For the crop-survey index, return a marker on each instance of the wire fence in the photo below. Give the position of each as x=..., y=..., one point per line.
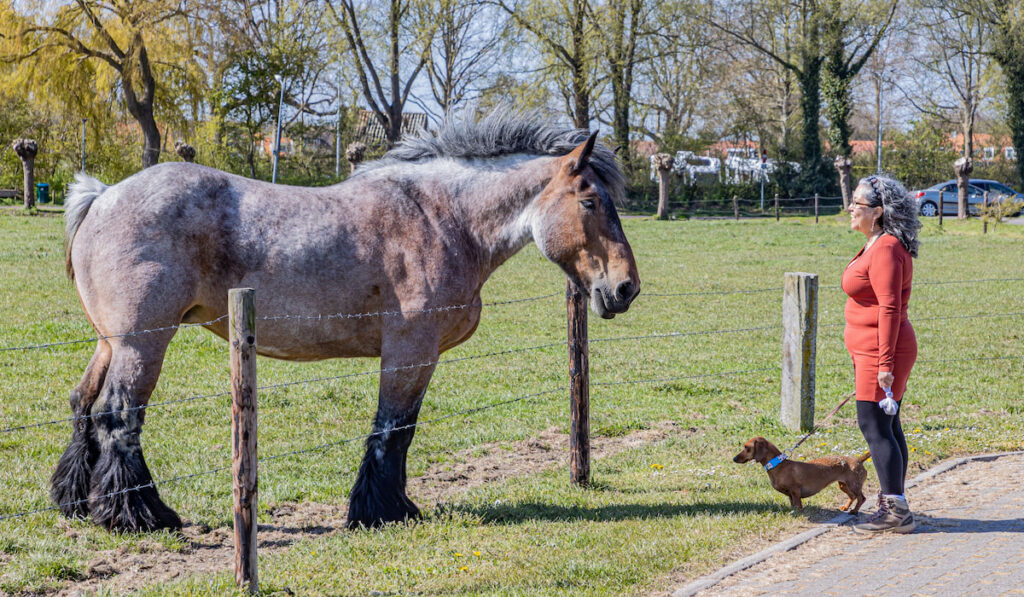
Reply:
x=560, y=389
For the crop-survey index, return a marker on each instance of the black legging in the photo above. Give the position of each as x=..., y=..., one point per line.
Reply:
x=888, y=446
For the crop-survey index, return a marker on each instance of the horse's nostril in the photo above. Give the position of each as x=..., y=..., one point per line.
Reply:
x=624, y=291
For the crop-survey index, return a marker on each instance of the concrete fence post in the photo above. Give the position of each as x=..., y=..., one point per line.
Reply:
x=799, y=347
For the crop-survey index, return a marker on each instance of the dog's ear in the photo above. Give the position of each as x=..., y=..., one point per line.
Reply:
x=760, y=448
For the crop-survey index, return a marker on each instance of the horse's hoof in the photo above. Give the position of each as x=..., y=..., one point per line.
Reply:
x=380, y=512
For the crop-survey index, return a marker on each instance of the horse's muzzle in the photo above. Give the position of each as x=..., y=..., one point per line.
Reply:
x=608, y=303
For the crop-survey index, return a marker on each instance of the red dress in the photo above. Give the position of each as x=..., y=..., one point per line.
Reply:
x=878, y=334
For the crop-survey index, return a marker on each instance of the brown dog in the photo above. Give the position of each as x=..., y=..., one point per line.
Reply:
x=804, y=479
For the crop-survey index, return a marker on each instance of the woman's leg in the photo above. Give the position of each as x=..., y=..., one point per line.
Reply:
x=889, y=459
x=901, y=441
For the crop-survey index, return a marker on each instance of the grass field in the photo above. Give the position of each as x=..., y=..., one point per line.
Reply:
x=657, y=514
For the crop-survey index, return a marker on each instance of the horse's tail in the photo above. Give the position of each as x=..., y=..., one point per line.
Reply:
x=84, y=191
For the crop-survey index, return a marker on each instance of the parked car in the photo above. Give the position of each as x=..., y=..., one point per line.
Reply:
x=928, y=199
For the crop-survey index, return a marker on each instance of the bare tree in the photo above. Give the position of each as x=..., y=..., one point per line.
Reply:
x=951, y=69
x=384, y=86
x=566, y=34
x=464, y=49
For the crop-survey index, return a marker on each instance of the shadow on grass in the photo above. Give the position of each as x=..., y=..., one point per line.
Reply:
x=532, y=511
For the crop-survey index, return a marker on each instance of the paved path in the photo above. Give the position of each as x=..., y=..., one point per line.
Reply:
x=969, y=541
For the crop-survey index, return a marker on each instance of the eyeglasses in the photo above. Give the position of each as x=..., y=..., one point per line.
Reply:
x=860, y=204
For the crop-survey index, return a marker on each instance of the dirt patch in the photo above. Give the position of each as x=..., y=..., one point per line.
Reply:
x=212, y=550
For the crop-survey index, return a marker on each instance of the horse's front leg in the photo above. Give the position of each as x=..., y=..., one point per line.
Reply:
x=378, y=495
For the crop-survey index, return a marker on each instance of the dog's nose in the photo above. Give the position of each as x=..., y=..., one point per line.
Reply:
x=736, y=458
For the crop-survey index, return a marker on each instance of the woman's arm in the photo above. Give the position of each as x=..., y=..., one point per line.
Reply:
x=885, y=273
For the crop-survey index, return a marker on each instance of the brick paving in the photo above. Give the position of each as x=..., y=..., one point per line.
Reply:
x=969, y=541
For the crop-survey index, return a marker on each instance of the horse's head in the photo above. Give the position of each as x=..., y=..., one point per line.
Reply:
x=579, y=229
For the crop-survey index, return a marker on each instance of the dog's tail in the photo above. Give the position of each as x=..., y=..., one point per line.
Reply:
x=864, y=457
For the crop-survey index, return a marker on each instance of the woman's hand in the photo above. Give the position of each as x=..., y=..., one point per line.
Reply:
x=885, y=379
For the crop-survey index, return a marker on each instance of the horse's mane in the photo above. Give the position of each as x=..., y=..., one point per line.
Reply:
x=502, y=132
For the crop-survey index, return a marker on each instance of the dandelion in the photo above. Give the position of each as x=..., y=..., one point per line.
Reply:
x=913, y=449
x=476, y=553
x=657, y=466
x=918, y=430
x=458, y=555
x=464, y=569
x=822, y=444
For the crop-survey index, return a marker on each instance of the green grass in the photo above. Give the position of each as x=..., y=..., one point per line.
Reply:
x=536, y=534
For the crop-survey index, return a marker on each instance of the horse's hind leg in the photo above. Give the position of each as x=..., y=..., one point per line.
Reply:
x=121, y=496
x=69, y=485
x=378, y=495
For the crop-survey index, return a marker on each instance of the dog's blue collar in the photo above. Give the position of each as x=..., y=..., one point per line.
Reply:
x=774, y=462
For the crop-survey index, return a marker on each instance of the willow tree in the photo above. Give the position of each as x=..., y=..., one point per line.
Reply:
x=82, y=47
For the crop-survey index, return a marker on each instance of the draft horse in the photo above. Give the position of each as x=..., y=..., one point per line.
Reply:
x=423, y=227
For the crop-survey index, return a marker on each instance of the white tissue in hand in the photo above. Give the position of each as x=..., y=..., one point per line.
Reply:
x=889, y=406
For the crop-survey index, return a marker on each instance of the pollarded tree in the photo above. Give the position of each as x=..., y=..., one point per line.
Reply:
x=85, y=43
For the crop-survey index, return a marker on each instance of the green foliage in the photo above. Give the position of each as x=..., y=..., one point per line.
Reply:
x=920, y=157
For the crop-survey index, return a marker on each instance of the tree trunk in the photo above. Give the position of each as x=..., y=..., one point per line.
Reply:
x=843, y=166
x=963, y=168
x=810, y=106
x=663, y=163
x=26, y=150
x=141, y=108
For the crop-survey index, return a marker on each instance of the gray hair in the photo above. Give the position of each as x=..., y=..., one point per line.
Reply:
x=899, y=210
x=503, y=131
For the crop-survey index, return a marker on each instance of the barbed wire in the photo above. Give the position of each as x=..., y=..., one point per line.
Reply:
x=382, y=370
x=152, y=484
x=124, y=335
x=278, y=317
x=711, y=292
x=386, y=313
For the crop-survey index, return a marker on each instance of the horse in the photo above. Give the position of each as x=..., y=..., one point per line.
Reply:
x=418, y=230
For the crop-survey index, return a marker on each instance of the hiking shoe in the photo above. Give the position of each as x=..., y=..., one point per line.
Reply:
x=892, y=514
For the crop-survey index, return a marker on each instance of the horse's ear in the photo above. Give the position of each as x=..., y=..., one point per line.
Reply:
x=581, y=154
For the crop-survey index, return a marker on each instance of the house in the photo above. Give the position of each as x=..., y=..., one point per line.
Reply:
x=987, y=147
x=370, y=131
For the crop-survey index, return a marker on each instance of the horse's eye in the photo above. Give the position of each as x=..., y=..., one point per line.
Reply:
x=587, y=204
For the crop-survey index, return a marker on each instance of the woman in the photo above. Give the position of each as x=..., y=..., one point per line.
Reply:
x=879, y=336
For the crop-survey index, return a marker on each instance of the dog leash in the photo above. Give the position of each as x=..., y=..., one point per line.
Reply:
x=774, y=462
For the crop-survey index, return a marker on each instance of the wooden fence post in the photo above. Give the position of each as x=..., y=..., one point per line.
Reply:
x=736, y=206
x=776, y=207
x=816, y=208
x=984, y=204
x=242, y=342
x=942, y=200
x=579, y=385
x=799, y=347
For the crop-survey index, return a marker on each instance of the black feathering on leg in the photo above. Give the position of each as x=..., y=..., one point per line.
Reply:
x=378, y=496
x=69, y=485
x=122, y=496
